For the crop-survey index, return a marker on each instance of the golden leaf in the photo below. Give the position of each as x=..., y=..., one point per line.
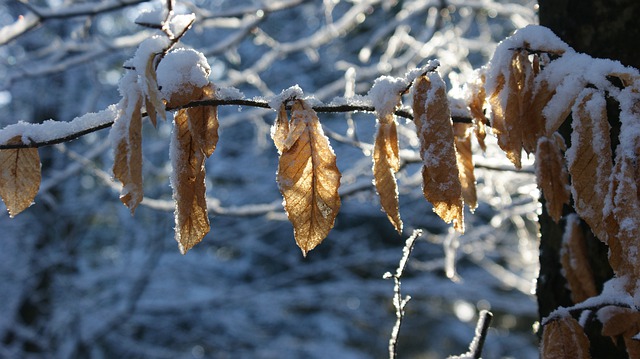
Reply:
x=19, y=176
x=203, y=123
x=441, y=181
x=552, y=175
x=280, y=129
x=464, y=157
x=127, y=165
x=386, y=162
x=188, y=182
x=308, y=178
x=564, y=338
x=589, y=160
x=575, y=261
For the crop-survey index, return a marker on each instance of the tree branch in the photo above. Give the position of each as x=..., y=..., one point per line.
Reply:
x=323, y=108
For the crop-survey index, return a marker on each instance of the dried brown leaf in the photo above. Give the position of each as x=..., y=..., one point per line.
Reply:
x=564, y=338
x=476, y=103
x=280, y=128
x=19, y=176
x=589, y=160
x=552, y=175
x=308, y=178
x=441, y=181
x=626, y=220
x=203, y=123
x=386, y=162
x=127, y=165
x=575, y=261
x=464, y=156
x=188, y=182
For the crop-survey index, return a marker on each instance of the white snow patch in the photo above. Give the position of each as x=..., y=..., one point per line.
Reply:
x=386, y=94
x=181, y=69
x=292, y=92
x=149, y=16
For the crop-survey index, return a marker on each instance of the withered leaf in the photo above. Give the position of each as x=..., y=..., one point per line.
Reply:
x=203, y=123
x=308, y=178
x=476, y=102
x=153, y=93
x=464, y=156
x=552, y=175
x=441, y=181
x=386, y=162
x=564, y=338
x=623, y=194
x=575, y=261
x=188, y=182
x=19, y=176
x=621, y=321
x=589, y=159
x=127, y=165
x=280, y=129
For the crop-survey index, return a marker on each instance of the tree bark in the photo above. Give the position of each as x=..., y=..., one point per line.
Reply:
x=604, y=29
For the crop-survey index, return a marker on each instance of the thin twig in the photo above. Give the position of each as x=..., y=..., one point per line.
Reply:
x=212, y=102
x=398, y=302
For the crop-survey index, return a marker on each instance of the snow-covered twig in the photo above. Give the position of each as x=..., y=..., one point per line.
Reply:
x=398, y=302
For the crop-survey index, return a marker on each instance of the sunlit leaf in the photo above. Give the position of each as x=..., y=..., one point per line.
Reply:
x=188, y=182
x=441, y=181
x=308, y=178
x=464, y=156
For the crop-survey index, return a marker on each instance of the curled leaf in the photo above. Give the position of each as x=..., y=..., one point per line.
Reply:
x=19, y=176
x=386, y=162
x=441, y=181
x=509, y=106
x=203, y=122
x=552, y=175
x=188, y=182
x=308, y=177
x=589, y=160
x=464, y=158
x=575, y=261
x=126, y=135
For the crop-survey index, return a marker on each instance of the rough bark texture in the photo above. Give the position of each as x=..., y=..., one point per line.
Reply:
x=604, y=29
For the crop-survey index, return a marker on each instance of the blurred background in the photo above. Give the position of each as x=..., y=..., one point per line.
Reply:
x=81, y=278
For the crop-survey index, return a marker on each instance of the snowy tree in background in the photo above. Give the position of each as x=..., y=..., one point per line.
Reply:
x=334, y=85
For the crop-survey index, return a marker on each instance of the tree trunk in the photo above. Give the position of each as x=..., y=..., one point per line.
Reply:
x=604, y=29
